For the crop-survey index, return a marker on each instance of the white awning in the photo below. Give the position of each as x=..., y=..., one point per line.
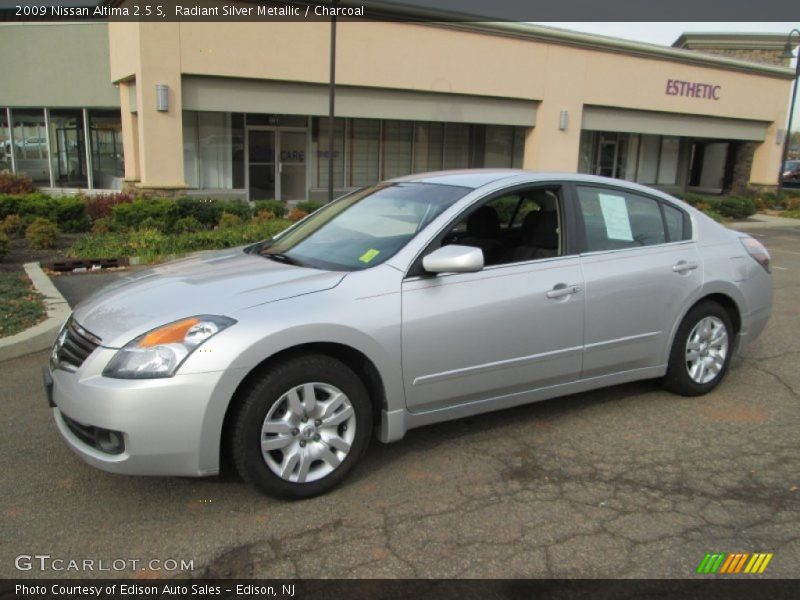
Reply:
x=603, y=118
x=281, y=97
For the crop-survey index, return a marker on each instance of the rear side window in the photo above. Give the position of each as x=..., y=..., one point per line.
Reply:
x=677, y=227
x=614, y=219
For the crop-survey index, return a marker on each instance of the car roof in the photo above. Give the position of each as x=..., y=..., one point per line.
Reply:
x=477, y=178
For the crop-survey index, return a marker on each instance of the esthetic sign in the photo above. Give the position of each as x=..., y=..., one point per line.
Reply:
x=693, y=89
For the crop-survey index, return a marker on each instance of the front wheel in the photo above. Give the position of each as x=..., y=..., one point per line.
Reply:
x=302, y=427
x=701, y=352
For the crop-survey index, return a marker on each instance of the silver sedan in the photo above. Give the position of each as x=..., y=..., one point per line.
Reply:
x=414, y=301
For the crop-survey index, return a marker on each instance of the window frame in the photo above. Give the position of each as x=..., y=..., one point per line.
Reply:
x=568, y=211
x=580, y=231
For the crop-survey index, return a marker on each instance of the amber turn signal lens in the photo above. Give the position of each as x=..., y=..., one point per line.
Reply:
x=170, y=334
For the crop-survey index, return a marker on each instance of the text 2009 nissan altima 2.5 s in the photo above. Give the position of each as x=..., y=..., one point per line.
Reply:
x=418, y=300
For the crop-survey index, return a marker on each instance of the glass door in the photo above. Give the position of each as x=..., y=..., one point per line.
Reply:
x=261, y=164
x=292, y=165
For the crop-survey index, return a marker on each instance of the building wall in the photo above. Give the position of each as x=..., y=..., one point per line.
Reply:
x=56, y=65
x=429, y=58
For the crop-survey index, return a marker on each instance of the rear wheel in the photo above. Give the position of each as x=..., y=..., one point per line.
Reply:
x=701, y=352
x=302, y=427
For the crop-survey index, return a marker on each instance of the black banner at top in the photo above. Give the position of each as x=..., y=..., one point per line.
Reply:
x=408, y=10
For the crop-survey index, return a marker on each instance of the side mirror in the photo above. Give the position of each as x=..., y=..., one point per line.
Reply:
x=454, y=259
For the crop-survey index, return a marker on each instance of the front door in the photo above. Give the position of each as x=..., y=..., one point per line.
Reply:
x=276, y=164
x=513, y=327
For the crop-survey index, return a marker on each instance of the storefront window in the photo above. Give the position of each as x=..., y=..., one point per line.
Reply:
x=456, y=146
x=428, y=146
x=320, y=147
x=108, y=164
x=5, y=141
x=397, y=136
x=364, y=157
x=67, y=149
x=519, y=147
x=648, y=159
x=30, y=145
x=668, y=162
x=213, y=150
x=498, y=146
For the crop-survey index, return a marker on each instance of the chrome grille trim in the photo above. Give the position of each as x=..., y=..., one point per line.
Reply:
x=74, y=346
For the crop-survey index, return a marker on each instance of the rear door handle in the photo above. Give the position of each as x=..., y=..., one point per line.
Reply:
x=561, y=290
x=683, y=266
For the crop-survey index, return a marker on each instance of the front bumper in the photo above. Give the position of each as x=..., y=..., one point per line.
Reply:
x=169, y=426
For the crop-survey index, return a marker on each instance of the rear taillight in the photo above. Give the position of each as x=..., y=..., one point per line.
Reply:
x=757, y=250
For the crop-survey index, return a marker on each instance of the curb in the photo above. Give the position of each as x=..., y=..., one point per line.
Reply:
x=759, y=221
x=40, y=336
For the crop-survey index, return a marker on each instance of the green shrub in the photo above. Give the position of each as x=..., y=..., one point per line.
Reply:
x=70, y=214
x=229, y=220
x=103, y=225
x=12, y=224
x=132, y=215
x=736, y=207
x=187, y=225
x=11, y=183
x=206, y=211
x=152, y=223
x=26, y=205
x=309, y=206
x=150, y=245
x=68, y=211
x=276, y=207
x=4, y=244
x=235, y=207
x=791, y=214
x=41, y=233
x=141, y=241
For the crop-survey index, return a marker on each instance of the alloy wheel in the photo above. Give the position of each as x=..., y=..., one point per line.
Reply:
x=308, y=432
x=706, y=350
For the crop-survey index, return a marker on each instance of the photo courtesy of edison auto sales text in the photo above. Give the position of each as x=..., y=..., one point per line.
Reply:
x=166, y=589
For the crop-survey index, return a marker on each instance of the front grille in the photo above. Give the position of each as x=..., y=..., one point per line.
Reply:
x=75, y=344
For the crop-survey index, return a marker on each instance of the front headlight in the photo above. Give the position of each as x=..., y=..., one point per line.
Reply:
x=159, y=353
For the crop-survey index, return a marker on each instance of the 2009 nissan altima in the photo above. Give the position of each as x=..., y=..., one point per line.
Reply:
x=414, y=301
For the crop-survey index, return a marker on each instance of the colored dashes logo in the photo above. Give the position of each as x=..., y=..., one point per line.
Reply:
x=722, y=563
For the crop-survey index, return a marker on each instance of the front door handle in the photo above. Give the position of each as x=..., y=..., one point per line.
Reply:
x=683, y=266
x=561, y=290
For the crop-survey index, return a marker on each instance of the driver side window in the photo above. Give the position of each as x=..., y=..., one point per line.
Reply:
x=518, y=227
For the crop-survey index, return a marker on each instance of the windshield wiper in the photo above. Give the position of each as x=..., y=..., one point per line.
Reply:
x=283, y=258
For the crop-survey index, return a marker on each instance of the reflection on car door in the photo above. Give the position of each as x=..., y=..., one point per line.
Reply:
x=501, y=331
x=637, y=280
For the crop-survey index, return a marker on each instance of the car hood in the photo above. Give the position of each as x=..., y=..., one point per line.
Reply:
x=214, y=283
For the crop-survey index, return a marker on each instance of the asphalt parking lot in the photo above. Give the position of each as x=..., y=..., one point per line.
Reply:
x=628, y=481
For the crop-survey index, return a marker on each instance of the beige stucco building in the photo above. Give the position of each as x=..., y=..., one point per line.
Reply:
x=241, y=108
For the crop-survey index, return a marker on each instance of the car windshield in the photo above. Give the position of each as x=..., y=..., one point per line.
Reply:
x=363, y=229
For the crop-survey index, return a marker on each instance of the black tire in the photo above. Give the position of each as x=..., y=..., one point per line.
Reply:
x=245, y=442
x=677, y=379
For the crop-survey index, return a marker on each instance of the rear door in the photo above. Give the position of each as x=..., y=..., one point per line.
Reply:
x=640, y=268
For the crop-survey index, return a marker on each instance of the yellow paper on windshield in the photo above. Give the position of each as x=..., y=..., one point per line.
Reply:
x=369, y=255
